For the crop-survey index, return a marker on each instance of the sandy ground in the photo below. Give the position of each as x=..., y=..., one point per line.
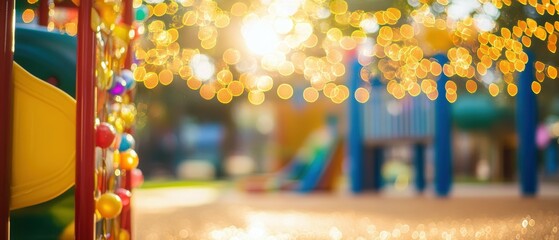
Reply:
x=473, y=212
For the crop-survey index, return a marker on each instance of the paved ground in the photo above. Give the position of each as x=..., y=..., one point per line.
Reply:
x=473, y=212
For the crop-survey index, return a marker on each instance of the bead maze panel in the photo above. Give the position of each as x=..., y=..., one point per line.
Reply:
x=116, y=160
x=114, y=164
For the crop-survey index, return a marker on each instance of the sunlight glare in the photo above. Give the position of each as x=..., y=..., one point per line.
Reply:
x=259, y=35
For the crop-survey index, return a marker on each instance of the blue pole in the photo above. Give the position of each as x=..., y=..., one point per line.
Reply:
x=442, y=137
x=526, y=118
x=551, y=157
x=419, y=165
x=375, y=104
x=355, y=130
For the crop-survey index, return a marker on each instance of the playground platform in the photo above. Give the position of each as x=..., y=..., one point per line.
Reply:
x=472, y=212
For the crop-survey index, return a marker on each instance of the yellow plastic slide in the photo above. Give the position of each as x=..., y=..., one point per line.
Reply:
x=44, y=140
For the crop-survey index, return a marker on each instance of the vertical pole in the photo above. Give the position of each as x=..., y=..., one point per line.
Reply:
x=43, y=12
x=85, y=139
x=6, y=104
x=126, y=215
x=378, y=160
x=526, y=117
x=551, y=157
x=128, y=18
x=419, y=165
x=442, y=138
x=355, y=128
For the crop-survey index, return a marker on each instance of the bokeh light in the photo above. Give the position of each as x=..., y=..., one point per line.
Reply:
x=285, y=91
x=28, y=15
x=313, y=40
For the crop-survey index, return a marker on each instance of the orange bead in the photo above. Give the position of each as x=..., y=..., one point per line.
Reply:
x=128, y=160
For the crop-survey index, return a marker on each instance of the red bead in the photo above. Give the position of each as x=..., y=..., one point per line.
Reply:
x=124, y=196
x=137, y=178
x=104, y=135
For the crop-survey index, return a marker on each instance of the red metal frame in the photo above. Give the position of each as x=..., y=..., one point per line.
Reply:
x=43, y=12
x=126, y=215
x=6, y=105
x=85, y=122
x=65, y=4
x=128, y=18
x=85, y=117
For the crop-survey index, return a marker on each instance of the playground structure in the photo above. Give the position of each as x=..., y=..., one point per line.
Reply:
x=366, y=149
x=109, y=94
x=53, y=141
x=447, y=48
x=409, y=123
x=416, y=126
x=316, y=166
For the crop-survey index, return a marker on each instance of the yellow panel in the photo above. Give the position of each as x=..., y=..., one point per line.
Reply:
x=44, y=140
